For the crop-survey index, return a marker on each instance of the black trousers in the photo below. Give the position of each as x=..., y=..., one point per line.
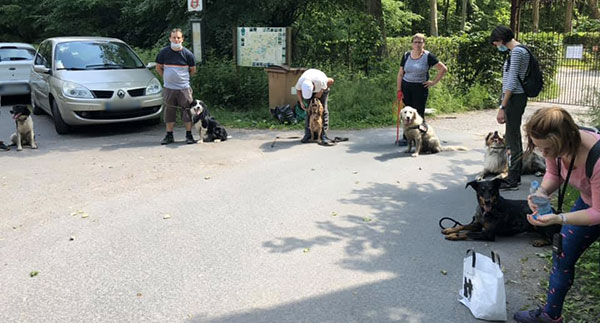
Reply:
x=415, y=95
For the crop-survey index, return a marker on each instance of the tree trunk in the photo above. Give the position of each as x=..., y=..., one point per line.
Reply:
x=375, y=9
x=535, y=6
x=446, y=6
x=463, y=20
x=515, y=10
x=595, y=12
x=569, y=16
x=433, y=17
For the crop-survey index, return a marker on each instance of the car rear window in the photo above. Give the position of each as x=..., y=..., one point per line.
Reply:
x=16, y=54
x=80, y=55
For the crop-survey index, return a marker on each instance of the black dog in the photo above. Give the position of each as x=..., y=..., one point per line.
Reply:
x=496, y=215
x=201, y=118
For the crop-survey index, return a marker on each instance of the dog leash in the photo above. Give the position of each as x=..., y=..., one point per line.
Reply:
x=456, y=223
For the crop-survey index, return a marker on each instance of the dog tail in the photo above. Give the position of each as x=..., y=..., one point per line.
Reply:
x=454, y=148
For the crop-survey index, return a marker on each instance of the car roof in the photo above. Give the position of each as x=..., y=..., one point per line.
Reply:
x=18, y=45
x=83, y=38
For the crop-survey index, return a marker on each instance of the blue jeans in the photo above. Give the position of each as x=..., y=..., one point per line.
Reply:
x=575, y=240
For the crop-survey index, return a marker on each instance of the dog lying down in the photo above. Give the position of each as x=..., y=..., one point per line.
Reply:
x=202, y=119
x=24, y=134
x=496, y=215
x=420, y=134
x=495, y=161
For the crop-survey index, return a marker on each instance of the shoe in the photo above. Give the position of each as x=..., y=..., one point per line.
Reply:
x=168, y=139
x=402, y=142
x=509, y=185
x=533, y=316
x=306, y=137
x=3, y=146
x=190, y=139
x=325, y=141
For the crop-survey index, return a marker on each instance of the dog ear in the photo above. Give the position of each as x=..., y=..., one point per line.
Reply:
x=474, y=184
x=487, y=138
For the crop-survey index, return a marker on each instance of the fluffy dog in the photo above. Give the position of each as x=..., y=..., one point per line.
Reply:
x=495, y=162
x=420, y=134
x=25, y=134
x=202, y=119
x=498, y=216
x=315, y=124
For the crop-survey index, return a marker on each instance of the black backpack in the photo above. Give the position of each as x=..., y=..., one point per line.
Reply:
x=533, y=83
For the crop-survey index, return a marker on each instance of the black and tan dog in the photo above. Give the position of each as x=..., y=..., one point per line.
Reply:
x=24, y=134
x=495, y=161
x=496, y=215
x=202, y=119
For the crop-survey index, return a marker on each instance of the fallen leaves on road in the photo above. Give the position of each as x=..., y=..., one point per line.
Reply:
x=34, y=273
x=444, y=272
x=367, y=219
x=333, y=213
x=166, y=216
x=306, y=250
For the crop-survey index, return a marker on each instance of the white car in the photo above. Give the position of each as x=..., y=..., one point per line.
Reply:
x=93, y=80
x=16, y=60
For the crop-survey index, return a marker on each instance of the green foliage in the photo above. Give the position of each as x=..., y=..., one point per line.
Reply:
x=398, y=20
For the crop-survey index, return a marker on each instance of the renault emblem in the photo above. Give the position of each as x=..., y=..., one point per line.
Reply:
x=121, y=94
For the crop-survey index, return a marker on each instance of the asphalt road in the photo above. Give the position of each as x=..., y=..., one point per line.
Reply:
x=257, y=232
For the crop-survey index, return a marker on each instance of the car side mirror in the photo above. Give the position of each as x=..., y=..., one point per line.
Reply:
x=41, y=69
x=151, y=65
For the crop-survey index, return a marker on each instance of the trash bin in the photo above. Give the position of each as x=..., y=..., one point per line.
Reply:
x=282, y=85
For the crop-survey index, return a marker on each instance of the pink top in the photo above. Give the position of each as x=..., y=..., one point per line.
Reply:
x=589, y=188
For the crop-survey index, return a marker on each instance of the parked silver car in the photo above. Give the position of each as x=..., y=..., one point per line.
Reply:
x=15, y=65
x=92, y=80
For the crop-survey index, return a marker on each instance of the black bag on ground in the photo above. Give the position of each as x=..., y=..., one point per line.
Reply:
x=284, y=114
x=533, y=83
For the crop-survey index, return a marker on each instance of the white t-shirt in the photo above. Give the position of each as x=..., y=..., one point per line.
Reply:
x=318, y=78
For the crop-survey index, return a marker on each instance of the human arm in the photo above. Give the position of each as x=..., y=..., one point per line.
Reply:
x=442, y=69
x=192, y=70
x=160, y=69
x=300, y=99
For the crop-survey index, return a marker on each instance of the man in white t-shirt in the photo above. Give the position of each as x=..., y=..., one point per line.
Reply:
x=314, y=83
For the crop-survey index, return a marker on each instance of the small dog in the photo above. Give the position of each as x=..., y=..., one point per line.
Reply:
x=201, y=118
x=496, y=215
x=422, y=135
x=315, y=124
x=24, y=123
x=495, y=162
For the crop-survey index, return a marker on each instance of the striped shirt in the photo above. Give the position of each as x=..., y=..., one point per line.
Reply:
x=176, y=67
x=519, y=62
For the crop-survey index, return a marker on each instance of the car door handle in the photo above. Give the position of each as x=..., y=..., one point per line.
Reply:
x=12, y=68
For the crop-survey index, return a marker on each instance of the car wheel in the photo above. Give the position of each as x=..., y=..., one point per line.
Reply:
x=36, y=110
x=59, y=124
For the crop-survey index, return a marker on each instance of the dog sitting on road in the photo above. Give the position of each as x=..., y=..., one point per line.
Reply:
x=315, y=124
x=420, y=134
x=24, y=134
x=496, y=215
x=495, y=162
x=202, y=119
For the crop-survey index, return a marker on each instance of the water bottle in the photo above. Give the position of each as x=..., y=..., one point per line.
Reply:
x=541, y=200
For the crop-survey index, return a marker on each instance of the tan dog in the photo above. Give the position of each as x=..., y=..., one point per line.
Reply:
x=315, y=124
x=422, y=135
x=495, y=162
x=24, y=123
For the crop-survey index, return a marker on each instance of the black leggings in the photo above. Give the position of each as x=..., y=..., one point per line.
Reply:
x=415, y=95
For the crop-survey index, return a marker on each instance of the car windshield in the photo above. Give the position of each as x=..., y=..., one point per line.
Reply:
x=16, y=54
x=79, y=55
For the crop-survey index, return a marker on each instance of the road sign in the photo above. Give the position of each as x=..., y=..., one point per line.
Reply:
x=194, y=5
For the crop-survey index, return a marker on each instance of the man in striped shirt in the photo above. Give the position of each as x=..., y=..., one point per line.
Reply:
x=513, y=100
x=176, y=64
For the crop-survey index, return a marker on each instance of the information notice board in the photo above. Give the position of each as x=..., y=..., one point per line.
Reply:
x=262, y=46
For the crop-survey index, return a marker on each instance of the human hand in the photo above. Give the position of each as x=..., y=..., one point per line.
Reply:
x=399, y=95
x=532, y=205
x=500, y=117
x=544, y=220
x=428, y=84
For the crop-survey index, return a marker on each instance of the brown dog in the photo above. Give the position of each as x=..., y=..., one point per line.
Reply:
x=422, y=135
x=495, y=162
x=315, y=112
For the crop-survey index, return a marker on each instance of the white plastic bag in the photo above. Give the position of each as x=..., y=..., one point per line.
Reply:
x=483, y=287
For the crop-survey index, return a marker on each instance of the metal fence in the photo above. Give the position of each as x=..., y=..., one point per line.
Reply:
x=571, y=67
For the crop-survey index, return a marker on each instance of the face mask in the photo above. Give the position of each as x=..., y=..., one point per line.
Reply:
x=176, y=46
x=502, y=48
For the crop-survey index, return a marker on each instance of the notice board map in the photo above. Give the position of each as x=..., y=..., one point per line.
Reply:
x=261, y=46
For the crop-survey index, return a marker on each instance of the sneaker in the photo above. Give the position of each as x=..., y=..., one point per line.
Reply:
x=533, y=316
x=3, y=146
x=402, y=142
x=168, y=139
x=506, y=185
x=190, y=139
x=305, y=139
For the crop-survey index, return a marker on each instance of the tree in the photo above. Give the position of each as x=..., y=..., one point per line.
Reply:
x=569, y=16
x=433, y=17
x=595, y=12
x=375, y=9
x=535, y=5
x=463, y=21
